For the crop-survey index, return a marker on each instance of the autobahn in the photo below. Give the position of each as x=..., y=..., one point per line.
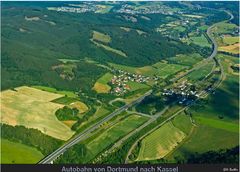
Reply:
x=86, y=133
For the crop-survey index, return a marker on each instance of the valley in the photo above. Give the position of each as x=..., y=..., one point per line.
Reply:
x=119, y=82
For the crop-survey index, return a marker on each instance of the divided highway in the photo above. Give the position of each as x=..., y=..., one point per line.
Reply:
x=86, y=133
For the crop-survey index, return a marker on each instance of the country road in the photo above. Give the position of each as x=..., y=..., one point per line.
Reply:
x=85, y=134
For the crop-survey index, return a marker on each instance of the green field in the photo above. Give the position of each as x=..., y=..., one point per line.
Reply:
x=201, y=41
x=136, y=86
x=53, y=90
x=224, y=27
x=33, y=108
x=186, y=60
x=229, y=40
x=118, y=103
x=116, y=51
x=228, y=126
x=17, y=153
x=112, y=134
x=101, y=86
x=160, y=142
x=201, y=73
x=183, y=123
x=168, y=69
x=98, y=36
x=203, y=139
x=160, y=69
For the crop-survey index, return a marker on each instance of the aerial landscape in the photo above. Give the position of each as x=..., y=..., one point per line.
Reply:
x=120, y=82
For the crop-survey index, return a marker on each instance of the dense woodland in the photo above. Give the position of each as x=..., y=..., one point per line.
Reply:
x=31, y=137
x=27, y=62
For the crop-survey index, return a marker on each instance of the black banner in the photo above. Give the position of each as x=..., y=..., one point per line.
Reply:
x=122, y=168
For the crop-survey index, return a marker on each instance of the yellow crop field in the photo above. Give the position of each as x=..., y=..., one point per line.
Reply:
x=32, y=108
x=80, y=106
x=230, y=48
x=101, y=88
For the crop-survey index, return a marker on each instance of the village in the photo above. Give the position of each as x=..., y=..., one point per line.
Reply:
x=120, y=81
x=129, y=9
x=78, y=8
x=185, y=93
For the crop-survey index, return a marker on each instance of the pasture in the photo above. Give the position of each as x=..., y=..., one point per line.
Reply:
x=160, y=69
x=33, y=108
x=135, y=85
x=168, y=69
x=201, y=73
x=160, y=142
x=224, y=28
x=183, y=123
x=186, y=59
x=17, y=153
x=118, y=52
x=218, y=123
x=203, y=139
x=201, y=41
x=98, y=36
x=101, y=86
x=112, y=134
x=53, y=90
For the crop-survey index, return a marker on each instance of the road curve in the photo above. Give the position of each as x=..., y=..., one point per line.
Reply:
x=85, y=134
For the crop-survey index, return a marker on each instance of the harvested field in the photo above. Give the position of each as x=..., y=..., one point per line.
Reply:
x=32, y=108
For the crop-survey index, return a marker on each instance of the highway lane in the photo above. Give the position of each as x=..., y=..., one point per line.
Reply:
x=86, y=133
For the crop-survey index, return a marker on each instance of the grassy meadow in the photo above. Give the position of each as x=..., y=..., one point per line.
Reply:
x=160, y=142
x=98, y=36
x=17, y=153
x=160, y=69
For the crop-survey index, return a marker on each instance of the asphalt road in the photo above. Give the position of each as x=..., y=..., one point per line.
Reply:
x=86, y=133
